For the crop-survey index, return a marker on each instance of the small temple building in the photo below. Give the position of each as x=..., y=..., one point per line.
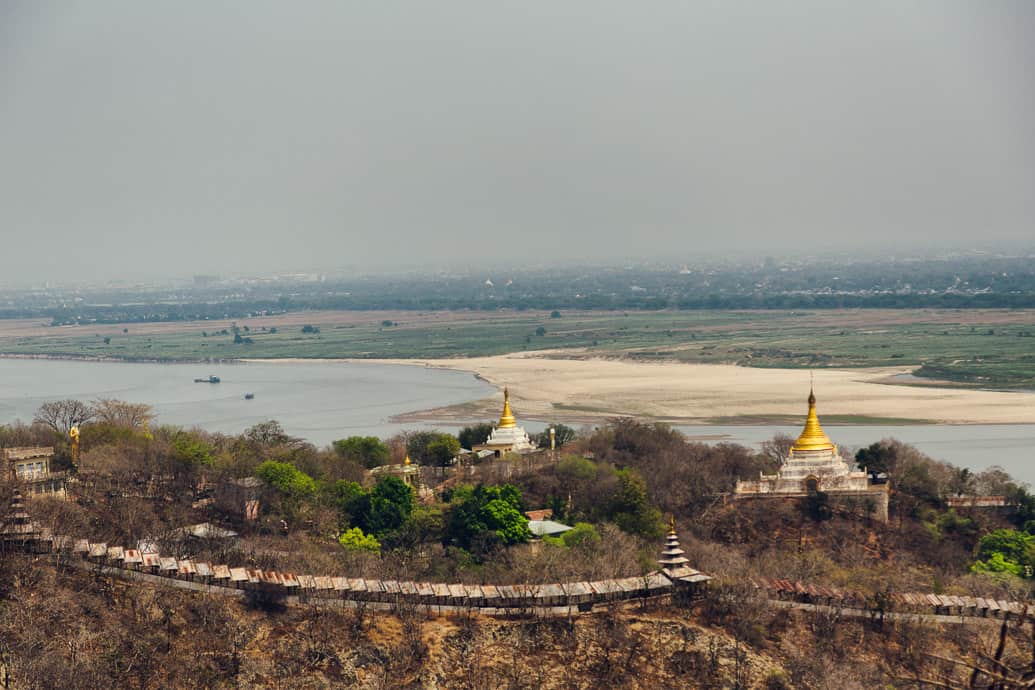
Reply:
x=814, y=464
x=31, y=467
x=507, y=436
x=407, y=472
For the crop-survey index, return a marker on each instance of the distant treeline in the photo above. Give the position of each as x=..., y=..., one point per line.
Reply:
x=966, y=283
x=140, y=313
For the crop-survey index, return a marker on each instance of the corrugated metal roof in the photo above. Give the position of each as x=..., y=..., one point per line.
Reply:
x=545, y=528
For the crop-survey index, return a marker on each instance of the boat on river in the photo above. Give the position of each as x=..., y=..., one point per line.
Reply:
x=210, y=379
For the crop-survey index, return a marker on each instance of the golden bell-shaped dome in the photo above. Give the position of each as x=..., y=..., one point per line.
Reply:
x=507, y=419
x=812, y=436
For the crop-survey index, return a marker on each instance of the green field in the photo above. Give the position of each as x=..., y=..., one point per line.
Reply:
x=982, y=348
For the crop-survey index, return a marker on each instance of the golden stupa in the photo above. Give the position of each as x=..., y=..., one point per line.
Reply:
x=507, y=419
x=812, y=436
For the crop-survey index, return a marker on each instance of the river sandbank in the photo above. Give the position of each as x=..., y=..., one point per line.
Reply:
x=547, y=387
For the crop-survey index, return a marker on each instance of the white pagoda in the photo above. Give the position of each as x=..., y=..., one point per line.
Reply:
x=813, y=464
x=507, y=436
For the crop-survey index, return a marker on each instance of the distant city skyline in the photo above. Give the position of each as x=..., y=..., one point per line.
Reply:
x=141, y=142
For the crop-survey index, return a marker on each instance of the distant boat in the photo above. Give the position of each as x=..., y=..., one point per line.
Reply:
x=249, y=396
x=210, y=379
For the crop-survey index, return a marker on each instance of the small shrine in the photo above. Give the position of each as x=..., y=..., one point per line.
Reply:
x=674, y=563
x=407, y=472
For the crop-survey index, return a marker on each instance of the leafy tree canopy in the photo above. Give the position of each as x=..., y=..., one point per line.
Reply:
x=1005, y=551
x=354, y=540
x=471, y=436
x=381, y=511
x=368, y=451
x=191, y=450
x=563, y=434
x=442, y=450
x=287, y=479
x=417, y=445
x=876, y=458
x=487, y=511
x=582, y=534
x=631, y=508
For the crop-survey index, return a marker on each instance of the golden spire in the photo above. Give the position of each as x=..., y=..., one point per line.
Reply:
x=407, y=460
x=812, y=436
x=672, y=524
x=507, y=418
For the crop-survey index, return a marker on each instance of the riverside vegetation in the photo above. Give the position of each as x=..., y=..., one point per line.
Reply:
x=983, y=348
x=322, y=512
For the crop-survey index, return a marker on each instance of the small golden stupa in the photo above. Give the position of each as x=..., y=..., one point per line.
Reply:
x=812, y=436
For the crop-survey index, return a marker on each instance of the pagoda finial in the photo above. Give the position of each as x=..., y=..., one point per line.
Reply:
x=812, y=436
x=672, y=524
x=507, y=419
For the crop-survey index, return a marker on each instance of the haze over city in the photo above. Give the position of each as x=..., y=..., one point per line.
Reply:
x=140, y=140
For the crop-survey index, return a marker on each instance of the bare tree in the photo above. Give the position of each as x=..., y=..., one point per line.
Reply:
x=986, y=671
x=776, y=449
x=121, y=413
x=62, y=415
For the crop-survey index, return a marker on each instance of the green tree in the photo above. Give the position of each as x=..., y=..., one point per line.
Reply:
x=630, y=508
x=1005, y=551
x=442, y=450
x=582, y=534
x=492, y=512
x=381, y=511
x=391, y=503
x=354, y=540
x=287, y=479
x=368, y=451
x=877, y=459
x=476, y=434
x=417, y=445
x=563, y=434
x=997, y=563
x=191, y=451
x=1015, y=546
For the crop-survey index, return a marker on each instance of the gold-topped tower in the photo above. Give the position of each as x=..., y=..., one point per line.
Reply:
x=815, y=464
x=507, y=436
x=812, y=436
x=507, y=419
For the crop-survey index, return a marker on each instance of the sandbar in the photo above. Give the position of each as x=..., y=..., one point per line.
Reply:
x=549, y=386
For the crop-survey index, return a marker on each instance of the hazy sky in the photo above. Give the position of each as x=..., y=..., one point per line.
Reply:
x=183, y=137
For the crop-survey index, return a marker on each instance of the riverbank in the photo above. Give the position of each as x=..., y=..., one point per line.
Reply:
x=546, y=387
x=978, y=349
